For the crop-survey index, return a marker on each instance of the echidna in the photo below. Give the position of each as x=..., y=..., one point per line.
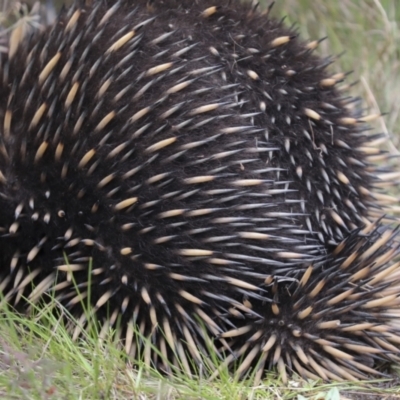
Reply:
x=193, y=166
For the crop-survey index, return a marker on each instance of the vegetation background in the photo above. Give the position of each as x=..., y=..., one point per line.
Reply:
x=38, y=359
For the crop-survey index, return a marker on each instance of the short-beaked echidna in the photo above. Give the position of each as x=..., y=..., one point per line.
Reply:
x=196, y=165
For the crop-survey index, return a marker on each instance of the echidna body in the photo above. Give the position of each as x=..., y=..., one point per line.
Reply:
x=205, y=165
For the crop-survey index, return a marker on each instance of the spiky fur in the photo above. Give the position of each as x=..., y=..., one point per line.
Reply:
x=199, y=156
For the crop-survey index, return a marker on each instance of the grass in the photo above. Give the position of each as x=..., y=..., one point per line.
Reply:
x=38, y=359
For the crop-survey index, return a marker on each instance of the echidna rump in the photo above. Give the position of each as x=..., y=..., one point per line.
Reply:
x=197, y=166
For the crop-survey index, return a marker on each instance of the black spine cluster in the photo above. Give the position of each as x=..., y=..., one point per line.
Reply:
x=206, y=166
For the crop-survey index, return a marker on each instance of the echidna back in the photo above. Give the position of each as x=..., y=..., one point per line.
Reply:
x=185, y=152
